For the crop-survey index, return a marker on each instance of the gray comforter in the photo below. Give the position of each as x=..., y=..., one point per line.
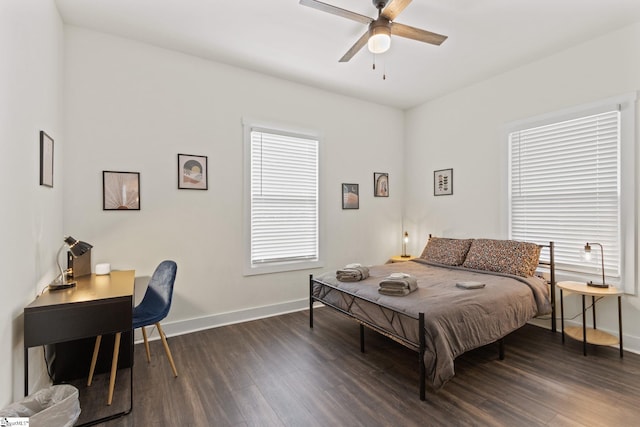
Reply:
x=456, y=320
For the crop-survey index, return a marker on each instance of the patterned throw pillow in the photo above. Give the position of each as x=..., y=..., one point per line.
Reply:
x=446, y=251
x=503, y=256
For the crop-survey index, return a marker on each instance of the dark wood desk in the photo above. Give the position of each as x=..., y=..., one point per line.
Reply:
x=97, y=305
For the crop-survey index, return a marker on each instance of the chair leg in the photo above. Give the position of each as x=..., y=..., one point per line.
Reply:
x=114, y=367
x=94, y=358
x=146, y=344
x=166, y=349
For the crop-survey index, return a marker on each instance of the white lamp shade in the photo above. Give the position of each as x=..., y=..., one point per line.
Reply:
x=379, y=43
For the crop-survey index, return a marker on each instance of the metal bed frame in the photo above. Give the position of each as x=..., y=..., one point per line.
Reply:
x=391, y=314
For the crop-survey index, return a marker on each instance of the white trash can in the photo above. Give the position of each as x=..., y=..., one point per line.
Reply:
x=56, y=406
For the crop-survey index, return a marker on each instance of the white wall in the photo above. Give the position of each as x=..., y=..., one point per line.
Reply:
x=463, y=130
x=134, y=107
x=31, y=52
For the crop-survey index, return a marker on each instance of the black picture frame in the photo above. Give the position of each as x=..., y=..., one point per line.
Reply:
x=193, y=172
x=120, y=191
x=350, y=196
x=46, y=160
x=443, y=182
x=380, y=184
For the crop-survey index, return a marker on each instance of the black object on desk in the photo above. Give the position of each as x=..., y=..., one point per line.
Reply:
x=97, y=305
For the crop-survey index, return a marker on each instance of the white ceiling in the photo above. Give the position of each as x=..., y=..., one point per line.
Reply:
x=285, y=39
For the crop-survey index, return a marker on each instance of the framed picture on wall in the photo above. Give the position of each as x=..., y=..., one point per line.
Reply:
x=350, y=196
x=46, y=159
x=192, y=172
x=120, y=191
x=380, y=184
x=443, y=182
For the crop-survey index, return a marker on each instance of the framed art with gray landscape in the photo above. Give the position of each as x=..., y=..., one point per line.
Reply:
x=120, y=191
x=192, y=172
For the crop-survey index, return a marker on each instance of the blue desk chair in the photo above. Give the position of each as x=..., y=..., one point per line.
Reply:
x=153, y=308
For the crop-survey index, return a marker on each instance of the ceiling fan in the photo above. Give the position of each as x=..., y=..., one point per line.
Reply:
x=378, y=36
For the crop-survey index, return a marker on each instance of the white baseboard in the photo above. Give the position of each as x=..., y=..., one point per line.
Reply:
x=180, y=327
x=38, y=376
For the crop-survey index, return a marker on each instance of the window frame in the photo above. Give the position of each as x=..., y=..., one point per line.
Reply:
x=249, y=268
x=627, y=105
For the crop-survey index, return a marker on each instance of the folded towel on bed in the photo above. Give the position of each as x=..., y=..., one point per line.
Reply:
x=394, y=292
x=470, y=285
x=352, y=273
x=398, y=285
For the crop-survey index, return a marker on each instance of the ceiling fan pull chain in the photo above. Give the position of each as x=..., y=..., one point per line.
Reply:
x=374, y=61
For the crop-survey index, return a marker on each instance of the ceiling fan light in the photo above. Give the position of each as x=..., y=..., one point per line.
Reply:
x=380, y=40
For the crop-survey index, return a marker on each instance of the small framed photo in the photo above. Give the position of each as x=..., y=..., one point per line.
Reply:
x=192, y=172
x=443, y=182
x=120, y=191
x=350, y=196
x=380, y=184
x=46, y=159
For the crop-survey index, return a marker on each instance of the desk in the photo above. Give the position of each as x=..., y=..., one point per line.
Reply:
x=97, y=305
x=590, y=335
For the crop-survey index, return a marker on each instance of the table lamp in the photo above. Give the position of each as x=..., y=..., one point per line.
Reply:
x=77, y=248
x=587, y=255
x=405, y=240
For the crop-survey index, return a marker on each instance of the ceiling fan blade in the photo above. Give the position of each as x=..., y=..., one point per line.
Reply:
x=417, y=34
x=356, y=47
x=394, y=8
x=336, y=11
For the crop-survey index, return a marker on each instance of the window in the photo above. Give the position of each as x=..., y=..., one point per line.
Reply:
x=569, y=183
x=282, y=218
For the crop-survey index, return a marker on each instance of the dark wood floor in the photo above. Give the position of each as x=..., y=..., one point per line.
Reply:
x=279, y=372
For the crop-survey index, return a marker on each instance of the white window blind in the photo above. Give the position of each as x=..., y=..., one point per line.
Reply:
x=565, y=187
x=283, y=198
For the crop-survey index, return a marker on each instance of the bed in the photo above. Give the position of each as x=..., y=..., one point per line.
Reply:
x=519, y=285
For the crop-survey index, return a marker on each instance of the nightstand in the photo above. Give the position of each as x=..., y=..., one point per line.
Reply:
x=590, y=335
x=400, y=258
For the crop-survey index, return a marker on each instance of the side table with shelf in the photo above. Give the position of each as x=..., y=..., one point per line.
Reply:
x=585, y=334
